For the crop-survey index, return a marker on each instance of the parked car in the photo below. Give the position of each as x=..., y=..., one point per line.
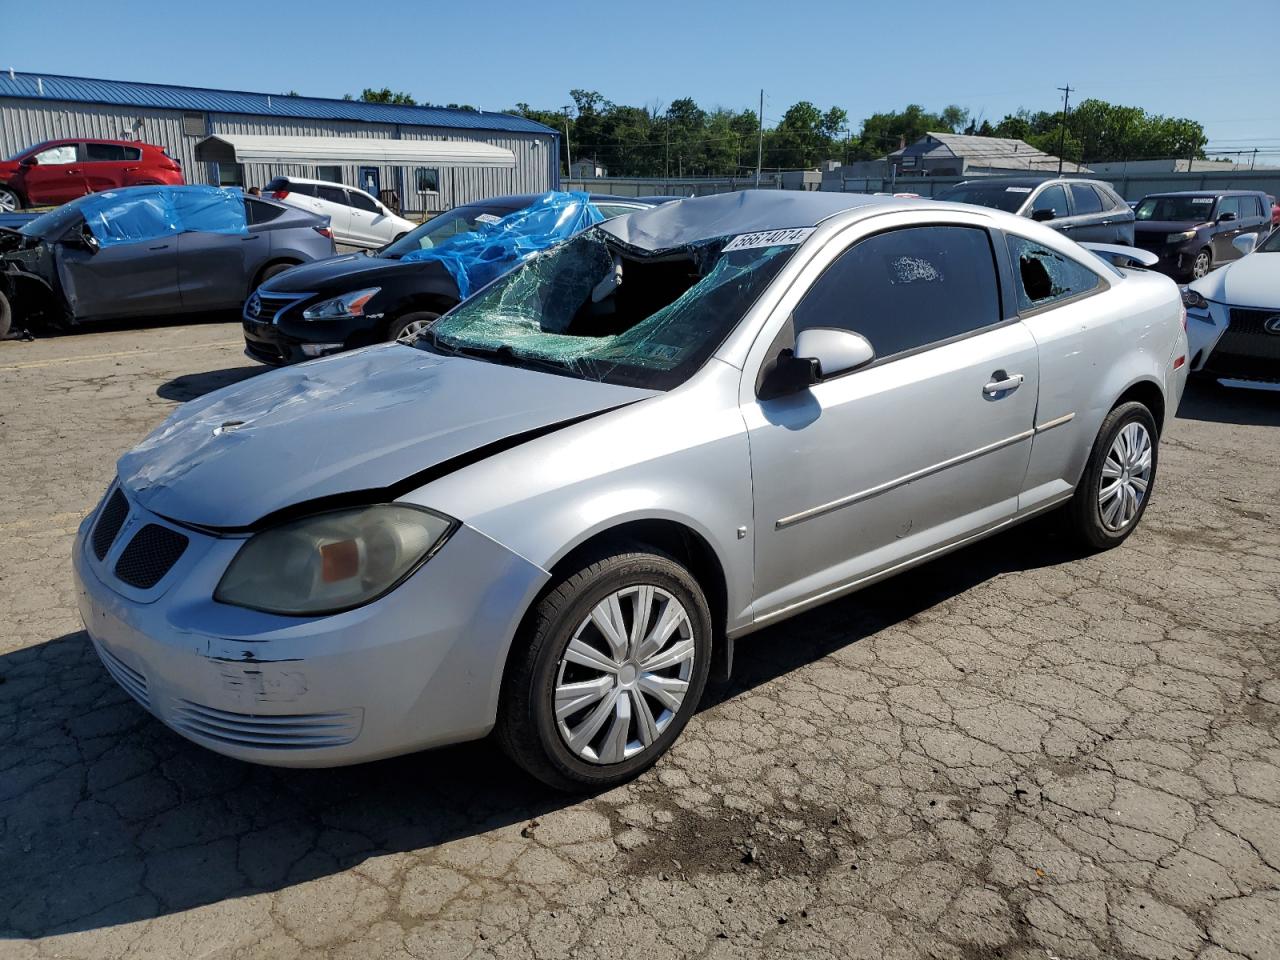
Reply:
x=1192, y=231
x=1233, y=317
x=356, y=218
x=56, y=270
x=1084, y=210
x=56, y=171
x=408, y=293
x=552, y=514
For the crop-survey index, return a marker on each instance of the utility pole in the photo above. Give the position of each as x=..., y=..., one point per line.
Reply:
x=1254, y=159
x=1062, y=131
x=568, y=156
x=760, y=140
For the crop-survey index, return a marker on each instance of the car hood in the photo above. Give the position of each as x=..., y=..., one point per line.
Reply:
x=1252, y=281
x=316, y=276
x=1165, y=226
x=361, y=421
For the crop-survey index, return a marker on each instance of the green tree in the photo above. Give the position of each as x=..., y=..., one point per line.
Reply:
x=386, y=95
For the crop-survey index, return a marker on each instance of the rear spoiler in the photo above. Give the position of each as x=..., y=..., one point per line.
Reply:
x=1119, y=256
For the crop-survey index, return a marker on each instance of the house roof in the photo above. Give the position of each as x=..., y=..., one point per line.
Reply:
x=127, y=93
x=1004, y=152
x=282, y=148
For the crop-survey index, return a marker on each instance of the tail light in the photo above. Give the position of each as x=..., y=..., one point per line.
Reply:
x=323, y=231
x=279, y=194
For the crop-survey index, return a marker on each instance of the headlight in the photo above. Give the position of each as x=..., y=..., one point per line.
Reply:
x=1182, y=237
x=348, y=305
x=332, y=561
x=1193, y=301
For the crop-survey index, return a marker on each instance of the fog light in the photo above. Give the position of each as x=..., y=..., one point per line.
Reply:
x=319, y=349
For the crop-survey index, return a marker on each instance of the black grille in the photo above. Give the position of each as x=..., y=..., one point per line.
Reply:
x=1246, y=350
x=149, y=556
x=112, y=517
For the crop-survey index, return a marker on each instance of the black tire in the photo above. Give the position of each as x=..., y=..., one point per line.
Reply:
x=527, y=727
x=6, y=316
x=272, y=270
x=1084, y=513
x=398, y=325
x=1203, y=262
x=15, y=196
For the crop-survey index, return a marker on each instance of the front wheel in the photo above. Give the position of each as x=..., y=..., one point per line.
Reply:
x=607, y=672
x=409, y=326
x=1117, y=482
x=9, y=200
x=1202, y=264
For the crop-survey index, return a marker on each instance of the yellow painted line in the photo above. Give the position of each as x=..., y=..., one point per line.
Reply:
x=32, y=364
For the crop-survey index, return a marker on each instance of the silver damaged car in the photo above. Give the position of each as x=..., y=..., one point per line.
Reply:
x=550, y=516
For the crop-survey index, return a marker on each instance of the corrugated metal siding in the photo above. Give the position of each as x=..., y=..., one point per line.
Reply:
x=161, y=96
x=24, y=122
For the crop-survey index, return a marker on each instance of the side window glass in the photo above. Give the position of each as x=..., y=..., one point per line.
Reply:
x=362, y=202
x=908, y=288
x=108, y=152
x=1046, y=276
x=1052, y=198
x=66, y=153
x=611, y=210
x=1086, y=199
x=332, y=194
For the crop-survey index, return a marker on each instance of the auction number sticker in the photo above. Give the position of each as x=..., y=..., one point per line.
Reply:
x=1017, y=189
x=487, y=218
x=769, y=238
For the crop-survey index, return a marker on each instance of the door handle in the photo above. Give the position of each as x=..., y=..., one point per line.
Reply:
x=1002, y=383
x=163, y=246
x=252, y=236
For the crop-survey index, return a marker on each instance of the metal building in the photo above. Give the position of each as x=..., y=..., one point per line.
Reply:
x=434, y=158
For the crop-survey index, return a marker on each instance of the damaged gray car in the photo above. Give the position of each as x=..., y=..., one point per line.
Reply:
x=76, y=263
x=551, y=516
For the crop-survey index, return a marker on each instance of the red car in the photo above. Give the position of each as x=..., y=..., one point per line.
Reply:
x=56, y=171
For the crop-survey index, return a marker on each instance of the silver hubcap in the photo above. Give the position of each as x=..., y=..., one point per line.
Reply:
x=1201, y=267
x=411, y=331
x=1126, y=475
x=8, y=202
x=624, y=675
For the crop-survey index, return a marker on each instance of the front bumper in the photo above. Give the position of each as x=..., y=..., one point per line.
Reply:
x=1232, y=343
x=1175, y=261
x=281, y=339
x=419, y=667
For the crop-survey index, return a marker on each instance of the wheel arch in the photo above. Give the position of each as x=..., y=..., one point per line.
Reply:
x=1150, y=394
x=274, y=261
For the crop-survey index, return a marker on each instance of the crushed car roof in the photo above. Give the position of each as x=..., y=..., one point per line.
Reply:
x=671, y=225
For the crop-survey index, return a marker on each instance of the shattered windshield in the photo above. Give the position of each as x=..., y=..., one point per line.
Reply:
x=594, y=309
x=55, y=223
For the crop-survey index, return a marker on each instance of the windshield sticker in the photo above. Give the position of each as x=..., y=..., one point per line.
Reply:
x=487, y=218
x=1202, y=199
x=1017, y=189
x=770, y=238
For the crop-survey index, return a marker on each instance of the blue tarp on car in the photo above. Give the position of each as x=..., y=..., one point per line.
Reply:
x=150, y=213
x=474, y=259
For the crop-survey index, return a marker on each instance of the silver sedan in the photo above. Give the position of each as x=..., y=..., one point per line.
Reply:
x=550, y=517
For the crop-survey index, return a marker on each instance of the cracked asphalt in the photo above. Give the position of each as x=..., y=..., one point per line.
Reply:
x=1016, y=751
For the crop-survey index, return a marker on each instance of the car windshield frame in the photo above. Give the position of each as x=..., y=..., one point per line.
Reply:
x=1271, y=244
x=409, y=242
x=54, y=225
x=1017, y=193
x=514, y=319
x=1193, y=204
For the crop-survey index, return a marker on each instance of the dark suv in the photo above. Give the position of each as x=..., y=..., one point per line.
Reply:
x=1191, y=231
x=1084, y=210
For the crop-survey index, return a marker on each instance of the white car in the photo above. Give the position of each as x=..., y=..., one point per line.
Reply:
x=356, y=218
x=1233, y=317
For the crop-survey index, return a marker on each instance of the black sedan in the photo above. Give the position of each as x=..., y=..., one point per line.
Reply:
x=359, y=299
x=1084, y=210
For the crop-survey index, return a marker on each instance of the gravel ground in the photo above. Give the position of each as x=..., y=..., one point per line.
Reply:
x=1013, y=752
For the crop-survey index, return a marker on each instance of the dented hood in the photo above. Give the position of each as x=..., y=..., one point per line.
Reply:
x=361, y=421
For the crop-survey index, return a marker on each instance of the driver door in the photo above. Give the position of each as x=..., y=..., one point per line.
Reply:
x=120, y=280
x=919, y=449
x=56, y=176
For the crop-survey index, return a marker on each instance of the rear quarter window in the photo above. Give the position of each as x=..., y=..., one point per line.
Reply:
x=1044, y=277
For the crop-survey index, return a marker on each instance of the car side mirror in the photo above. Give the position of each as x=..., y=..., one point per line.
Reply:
x=1245, y=243
x=1041, y=215
x=1226, y=217
x=836, y=351
x=28, y=162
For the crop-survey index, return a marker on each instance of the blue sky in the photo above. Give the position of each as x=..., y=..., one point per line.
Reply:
x=1163, y=55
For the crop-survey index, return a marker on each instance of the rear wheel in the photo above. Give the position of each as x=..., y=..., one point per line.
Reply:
x=1202, y=264
x=9, y=200
x=1117, y=482
x=607, y=671
x=6, y=316
x=409, y=325
x=273, y=270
